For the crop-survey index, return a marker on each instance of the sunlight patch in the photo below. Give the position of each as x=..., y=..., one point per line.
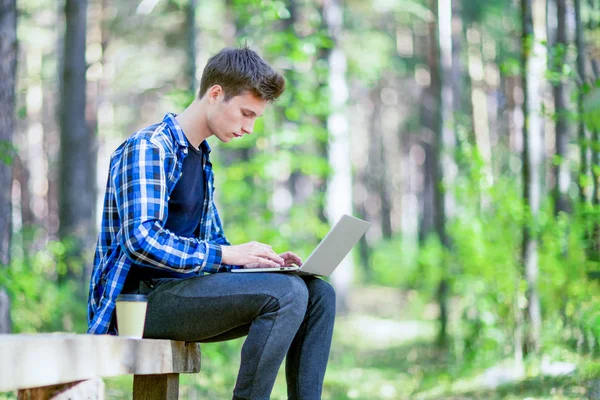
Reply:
x=382, y=333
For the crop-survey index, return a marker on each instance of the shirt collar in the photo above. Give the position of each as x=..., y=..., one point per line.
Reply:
x=180, y=137
x=205, y=147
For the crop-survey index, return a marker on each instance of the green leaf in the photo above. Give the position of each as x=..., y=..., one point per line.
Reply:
x=7, y=152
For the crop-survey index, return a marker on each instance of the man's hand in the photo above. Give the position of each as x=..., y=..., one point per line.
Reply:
x=291, y=259
x=288, y=257
x=251, y=253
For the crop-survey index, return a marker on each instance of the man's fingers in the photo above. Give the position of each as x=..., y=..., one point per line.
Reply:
x=273, y=256
x=291, y=258
x=265, y=250
x=265, y=258
x=269, y=263
x=297, y=259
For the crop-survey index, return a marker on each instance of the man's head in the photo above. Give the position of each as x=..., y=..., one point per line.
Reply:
x=237, y=85
x=241, y=70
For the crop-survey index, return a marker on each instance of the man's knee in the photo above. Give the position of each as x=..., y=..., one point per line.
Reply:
x=297, y=291
x=323, y=293
x=289, y=294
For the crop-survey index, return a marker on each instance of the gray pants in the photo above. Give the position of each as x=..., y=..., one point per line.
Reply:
x=281, y=313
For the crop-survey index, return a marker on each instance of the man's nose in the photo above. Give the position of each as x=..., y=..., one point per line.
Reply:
x=248, y=128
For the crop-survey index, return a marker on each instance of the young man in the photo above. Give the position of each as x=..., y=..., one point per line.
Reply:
x=161, y=235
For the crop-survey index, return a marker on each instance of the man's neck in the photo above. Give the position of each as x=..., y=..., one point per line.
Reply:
x=193, y=123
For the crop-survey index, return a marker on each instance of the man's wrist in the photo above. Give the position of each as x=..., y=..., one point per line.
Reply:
x=224, y=254
x=213, y=258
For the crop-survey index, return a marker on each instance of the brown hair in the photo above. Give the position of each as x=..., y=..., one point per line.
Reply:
x=240, y=70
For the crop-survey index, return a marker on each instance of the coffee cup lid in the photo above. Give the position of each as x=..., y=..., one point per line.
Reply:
x=132, y=297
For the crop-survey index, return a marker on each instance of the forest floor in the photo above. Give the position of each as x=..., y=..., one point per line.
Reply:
x=385, y=349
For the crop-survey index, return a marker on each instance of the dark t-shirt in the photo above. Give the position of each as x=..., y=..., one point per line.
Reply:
x=187, y=199
x=186, y=205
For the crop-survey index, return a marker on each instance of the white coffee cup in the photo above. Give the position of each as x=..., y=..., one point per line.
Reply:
x=131, y=315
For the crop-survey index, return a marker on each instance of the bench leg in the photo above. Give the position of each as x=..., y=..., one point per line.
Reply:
x=156, y=387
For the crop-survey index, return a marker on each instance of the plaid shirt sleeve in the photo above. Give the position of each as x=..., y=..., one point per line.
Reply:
x=141, y=195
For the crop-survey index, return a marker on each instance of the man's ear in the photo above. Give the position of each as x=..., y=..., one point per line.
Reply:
x=214, y=92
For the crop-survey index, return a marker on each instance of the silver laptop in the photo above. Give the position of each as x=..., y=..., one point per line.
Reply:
x=330, y=252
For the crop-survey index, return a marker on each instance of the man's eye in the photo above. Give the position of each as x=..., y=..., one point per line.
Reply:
x=245, y=114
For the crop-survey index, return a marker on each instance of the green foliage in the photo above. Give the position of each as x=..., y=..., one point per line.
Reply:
x=510, y=67
x=179, y=99
x=558, y=69
x=368, y=56
x=7, y=152
x=476, y=12
x=485, y=268
x=40, y=300
x=388, y=269
x=591, y=112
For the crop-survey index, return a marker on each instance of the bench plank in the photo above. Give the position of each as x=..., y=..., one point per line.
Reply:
x=29, y=361
x=92, y=389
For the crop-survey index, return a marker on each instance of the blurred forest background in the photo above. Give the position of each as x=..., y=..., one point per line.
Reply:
x=467, y=132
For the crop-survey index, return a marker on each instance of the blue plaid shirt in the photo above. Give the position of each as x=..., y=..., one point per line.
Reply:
x=143, y=172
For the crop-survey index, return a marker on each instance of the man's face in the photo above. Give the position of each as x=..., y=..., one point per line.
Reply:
x=234, y=118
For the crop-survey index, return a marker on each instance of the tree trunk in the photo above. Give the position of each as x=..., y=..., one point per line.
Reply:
x=191, y=31
x=8, y=65
x=284, y=185
x=533, y=65
x=322, y=144
x=427, y=111
x=441, y=78
x=426, y=200
x=77, y=178
x=235, y=26
x=595, y=242
x=479, y=105
x=339, y=188
x=561, y=170
x=376, y=165
x=384, y=176
x=51, y=149
x=581, y=132
x=460, y=85
x=594, y=246
x=360, y=121
x=21, y=175
x=446, y=134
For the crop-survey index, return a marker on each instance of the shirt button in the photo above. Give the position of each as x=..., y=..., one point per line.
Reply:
x=168, y=198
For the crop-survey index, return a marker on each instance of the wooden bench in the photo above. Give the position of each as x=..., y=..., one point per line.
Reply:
x=70, y=366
